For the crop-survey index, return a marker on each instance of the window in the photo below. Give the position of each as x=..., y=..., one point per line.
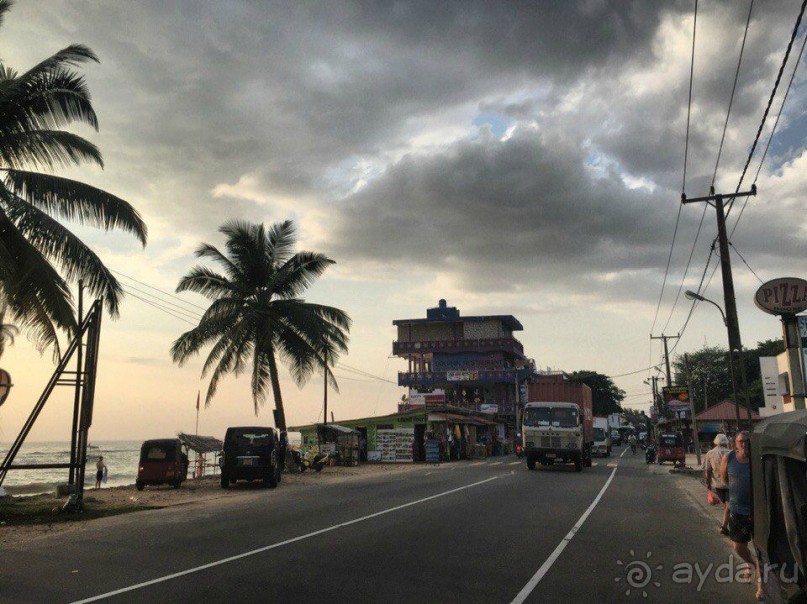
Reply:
x=558, y=417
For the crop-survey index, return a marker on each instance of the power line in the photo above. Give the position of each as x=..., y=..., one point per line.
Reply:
x=159, y=290
x=768, y=108
x=177, y=307
x=746, y=262
x=162, y=308
x=733, y=90
x=717, y=161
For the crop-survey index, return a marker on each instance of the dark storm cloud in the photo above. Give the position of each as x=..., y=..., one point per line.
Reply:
x=192, y=95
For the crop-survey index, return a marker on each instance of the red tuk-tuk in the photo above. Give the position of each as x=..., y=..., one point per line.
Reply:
x=671, y=448
x=162, y=461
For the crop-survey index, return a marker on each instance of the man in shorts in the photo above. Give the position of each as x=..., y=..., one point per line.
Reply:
x=714, y=479
x=735, y=470
x=100, y=466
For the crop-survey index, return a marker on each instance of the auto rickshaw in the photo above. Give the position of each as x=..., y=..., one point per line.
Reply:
x=778, y=466
x=162, y=461
x=671, y=448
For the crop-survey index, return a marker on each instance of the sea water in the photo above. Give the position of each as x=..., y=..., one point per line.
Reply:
x=120, y=456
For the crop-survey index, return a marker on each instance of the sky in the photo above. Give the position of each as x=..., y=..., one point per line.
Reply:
x=512, y=158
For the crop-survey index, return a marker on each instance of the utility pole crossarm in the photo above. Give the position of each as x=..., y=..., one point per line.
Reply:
x=713, y=197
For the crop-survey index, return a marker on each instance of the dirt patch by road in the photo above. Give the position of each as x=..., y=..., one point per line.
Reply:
x=25, y=518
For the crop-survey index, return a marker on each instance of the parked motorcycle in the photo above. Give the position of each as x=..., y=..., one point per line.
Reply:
x=519, y=451
x=311, y=460
x=650, y=454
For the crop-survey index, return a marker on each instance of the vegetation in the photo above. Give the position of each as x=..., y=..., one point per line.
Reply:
x=39, y=256
x=256, y=314
x=606, y=396
x=710, y=379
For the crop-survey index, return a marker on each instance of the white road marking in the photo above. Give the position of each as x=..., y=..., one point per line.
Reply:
x=625, y=451
x=279, y=544
x=536, y=578
x=496, y=463
x=517, y=463
x=477, y=463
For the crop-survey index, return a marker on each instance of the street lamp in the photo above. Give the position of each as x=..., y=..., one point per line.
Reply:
x=695, y=296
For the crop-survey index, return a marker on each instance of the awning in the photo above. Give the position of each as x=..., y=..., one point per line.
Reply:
x=200, y=444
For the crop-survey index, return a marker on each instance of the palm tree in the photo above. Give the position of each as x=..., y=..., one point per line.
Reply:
x=7, y=332
x=40, y=257
x=256, y=314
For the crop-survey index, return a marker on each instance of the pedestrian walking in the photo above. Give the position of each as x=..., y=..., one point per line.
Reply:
x=100, y=468
x=714, y=478
x=735, y=471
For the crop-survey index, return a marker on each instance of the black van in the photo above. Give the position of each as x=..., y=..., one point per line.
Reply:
x=250, y=453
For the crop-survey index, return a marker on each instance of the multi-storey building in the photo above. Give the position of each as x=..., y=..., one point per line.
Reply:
x=470, y=362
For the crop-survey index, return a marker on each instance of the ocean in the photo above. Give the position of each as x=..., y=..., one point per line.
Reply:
x=120, y=456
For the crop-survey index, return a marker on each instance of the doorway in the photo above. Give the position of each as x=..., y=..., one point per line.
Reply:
x=419, y=450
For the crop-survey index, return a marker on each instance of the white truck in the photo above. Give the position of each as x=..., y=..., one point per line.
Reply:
x=602, y=437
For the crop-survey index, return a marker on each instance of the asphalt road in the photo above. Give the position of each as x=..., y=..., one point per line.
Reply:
x=465, y=532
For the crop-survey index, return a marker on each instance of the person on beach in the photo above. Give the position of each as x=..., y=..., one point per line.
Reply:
x=735, y=470
x=712, y=474
x=100, y=468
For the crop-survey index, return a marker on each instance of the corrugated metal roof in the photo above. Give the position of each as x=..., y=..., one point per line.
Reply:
x=724, y=411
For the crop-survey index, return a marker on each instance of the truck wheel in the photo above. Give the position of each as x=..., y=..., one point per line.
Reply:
x=225, y=481
x=530, y=462
x=578, y=463
x=139, y=485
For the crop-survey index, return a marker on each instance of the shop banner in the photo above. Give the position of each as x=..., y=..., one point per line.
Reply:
x=488, y=408
x=395, y=445
x=462, y=376
x=676, y=397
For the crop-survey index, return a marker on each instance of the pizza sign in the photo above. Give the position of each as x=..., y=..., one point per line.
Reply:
x=784, y=296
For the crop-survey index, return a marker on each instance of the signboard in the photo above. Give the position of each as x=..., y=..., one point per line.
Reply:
x=416, y=398
x=432, y=447
x=489, y=408
x=803, y=336
x=462, y=376
x=676, y=397
x=395, y=445
x=784, y=296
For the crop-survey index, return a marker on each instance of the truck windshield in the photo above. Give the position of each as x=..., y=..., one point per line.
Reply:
x=599, y=434
x=558, y=417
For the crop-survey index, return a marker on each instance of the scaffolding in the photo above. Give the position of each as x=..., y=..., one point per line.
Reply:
x=82, y=380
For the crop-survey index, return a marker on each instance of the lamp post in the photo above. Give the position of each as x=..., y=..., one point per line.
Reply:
x=695, y=296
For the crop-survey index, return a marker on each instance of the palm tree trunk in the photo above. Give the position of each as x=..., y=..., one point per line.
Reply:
x=280, y=414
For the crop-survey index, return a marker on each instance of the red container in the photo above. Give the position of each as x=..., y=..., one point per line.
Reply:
x=555, y=389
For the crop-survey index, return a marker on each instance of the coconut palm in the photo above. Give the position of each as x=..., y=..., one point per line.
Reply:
x=7, y=332
x=39, y=256
x=256, y=314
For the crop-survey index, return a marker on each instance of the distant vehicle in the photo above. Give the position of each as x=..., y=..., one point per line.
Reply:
x=642, y=437
x=671, y=448
x=602, y=437
x=557, y=424
x=250, y=453
x=616, y=438
x=161, y=462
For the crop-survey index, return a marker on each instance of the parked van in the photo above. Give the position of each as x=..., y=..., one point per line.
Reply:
x=161, y=462
x=602, y=437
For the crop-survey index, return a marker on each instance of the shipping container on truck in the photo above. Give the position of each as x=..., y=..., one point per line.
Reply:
x=547, y=441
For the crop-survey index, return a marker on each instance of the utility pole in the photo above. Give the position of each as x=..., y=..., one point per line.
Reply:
x=732, y=323
x=692, y=411
x=325, y=393
x=77, y=395
x=666, y=353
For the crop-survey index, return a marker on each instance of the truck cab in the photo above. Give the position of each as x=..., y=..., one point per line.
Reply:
x=602, y=437
x=555, y=432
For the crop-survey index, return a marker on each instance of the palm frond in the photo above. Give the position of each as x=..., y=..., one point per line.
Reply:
x=192, y=341
x=280, y=242
x=45, y=100
x=245, y=247
x=58, y=244
x=75, y=201
x=4, y=6
x=209, y=251
x=298, y=273
x=231, y=361
x=47, y=149
x=202, y=280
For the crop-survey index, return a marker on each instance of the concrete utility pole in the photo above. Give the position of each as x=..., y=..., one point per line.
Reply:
x=692, y=411
x=666, y=353
x=730, y=303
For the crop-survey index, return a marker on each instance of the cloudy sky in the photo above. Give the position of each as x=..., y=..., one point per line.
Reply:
x=514, y=158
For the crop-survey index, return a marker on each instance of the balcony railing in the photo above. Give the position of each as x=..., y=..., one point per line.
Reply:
x=510, y=345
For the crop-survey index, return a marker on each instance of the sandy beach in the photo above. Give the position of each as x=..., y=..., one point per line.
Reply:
x=23, y=519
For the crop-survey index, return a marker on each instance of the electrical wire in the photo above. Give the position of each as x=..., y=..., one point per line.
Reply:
x=158, y=290
x=176, y=307
x=158, y=307
x=746, y=262
x=768, y=107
